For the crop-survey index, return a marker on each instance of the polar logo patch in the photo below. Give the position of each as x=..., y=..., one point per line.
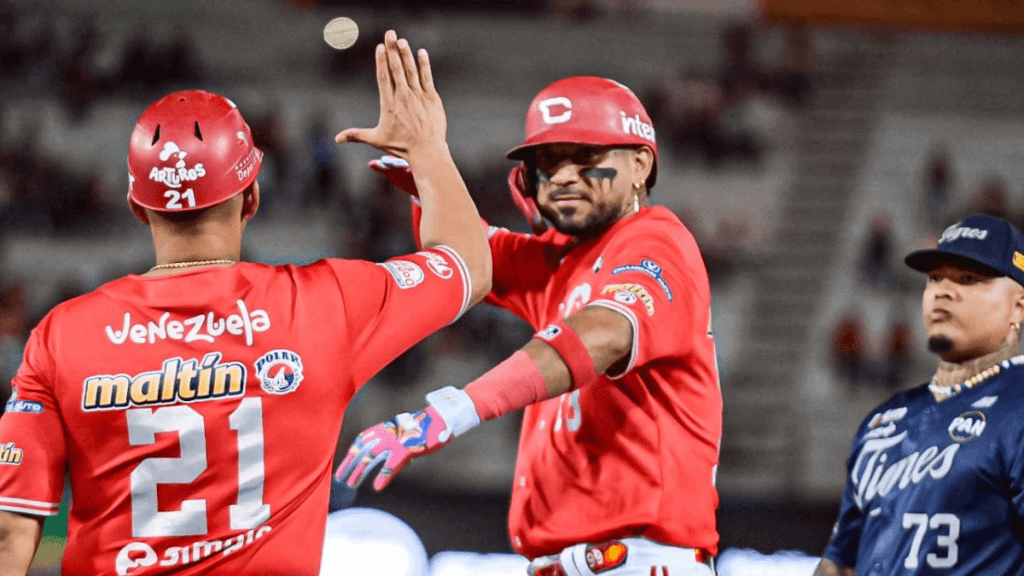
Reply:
x=279, y=371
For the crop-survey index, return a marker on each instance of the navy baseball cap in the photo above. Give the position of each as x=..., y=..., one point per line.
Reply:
x=980, y=239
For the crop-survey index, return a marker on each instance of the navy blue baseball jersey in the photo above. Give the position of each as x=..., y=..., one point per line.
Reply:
x=936, y=487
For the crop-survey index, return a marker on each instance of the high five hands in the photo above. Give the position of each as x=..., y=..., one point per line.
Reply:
x=411, y=113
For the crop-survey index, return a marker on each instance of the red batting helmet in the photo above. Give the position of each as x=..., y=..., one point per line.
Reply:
x=190, y=150
x=588, y=110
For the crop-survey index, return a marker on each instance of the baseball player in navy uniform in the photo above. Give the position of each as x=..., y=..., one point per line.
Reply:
x=935, y=479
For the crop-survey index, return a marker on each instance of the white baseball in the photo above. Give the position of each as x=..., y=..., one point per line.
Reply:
x=341, y=33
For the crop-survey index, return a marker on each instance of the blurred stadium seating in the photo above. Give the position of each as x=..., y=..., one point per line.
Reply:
x=783, y=229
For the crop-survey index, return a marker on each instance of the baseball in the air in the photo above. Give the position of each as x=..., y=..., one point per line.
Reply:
x=341, y=32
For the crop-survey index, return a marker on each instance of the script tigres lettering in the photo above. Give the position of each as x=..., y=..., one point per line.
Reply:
x=872, y=477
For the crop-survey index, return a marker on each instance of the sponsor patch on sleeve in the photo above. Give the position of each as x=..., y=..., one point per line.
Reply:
x=406, y=274
x=438, y=265
x=23, y=406
x=649, y=267
x=630, y=294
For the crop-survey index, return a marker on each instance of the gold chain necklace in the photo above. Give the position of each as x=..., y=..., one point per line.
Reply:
x=192, y=263
x=942, y=393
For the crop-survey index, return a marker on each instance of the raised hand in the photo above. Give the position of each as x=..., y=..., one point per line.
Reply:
x=411, y=112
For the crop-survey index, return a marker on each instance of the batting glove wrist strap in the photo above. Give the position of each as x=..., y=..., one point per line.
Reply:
x=456, y=409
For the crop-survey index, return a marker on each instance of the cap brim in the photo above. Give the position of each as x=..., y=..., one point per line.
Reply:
x=928, y=259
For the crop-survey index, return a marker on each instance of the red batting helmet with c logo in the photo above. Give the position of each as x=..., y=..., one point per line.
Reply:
x=588, y=110
x=190, y=150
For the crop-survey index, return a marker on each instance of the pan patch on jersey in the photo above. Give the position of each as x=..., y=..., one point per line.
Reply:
x=601, y=557
x=967, y=426
x=649, y=267
x=629, y=294
x=11, y=455
x=279, y=371
x=406, y=274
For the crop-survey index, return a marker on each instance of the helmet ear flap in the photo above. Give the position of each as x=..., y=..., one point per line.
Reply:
x=530, y=178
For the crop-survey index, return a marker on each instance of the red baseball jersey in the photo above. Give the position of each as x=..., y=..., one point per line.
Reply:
x=634, y=454
x=197, y=415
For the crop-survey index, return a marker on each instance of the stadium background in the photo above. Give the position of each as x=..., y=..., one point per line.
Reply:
x=808, y=145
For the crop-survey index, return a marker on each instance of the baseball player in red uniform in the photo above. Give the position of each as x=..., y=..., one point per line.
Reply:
x=623, y=411
x=195, y=409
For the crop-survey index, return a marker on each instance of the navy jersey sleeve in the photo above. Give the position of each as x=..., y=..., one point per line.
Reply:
x=842, y=545
x=845, y=540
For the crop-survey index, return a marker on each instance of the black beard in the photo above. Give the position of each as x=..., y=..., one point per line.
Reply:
x=593, y=225
x=939, y=344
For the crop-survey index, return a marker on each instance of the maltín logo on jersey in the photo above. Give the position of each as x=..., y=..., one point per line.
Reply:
x=279, y=371
x=11, y=454
x=179, y=380
x=967, y=426
x=406, y=274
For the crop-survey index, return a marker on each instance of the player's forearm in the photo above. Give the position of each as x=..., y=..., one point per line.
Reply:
x=606, y=335
x=828, y=568
x=558, y=359
x=19, y=537
x=449, y=216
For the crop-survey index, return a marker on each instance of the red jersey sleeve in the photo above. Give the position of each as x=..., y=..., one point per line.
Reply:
x=392, y=305
x=523, y=265
x=659, y=283
x=33, y=453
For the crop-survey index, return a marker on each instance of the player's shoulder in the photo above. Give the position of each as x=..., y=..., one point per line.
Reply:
x=654, y=237
x=1011, y=375
x=897, y=407
x=653, y=226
